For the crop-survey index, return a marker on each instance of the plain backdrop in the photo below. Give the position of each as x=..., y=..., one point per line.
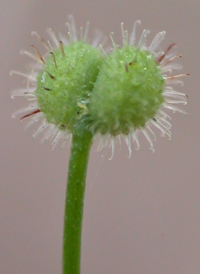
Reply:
x=141, y=215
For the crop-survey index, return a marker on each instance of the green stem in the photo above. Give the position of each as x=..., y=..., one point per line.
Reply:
x=81, y=144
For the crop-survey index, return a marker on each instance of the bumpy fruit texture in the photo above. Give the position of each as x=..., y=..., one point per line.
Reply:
x=65, y=84
x=127, y=93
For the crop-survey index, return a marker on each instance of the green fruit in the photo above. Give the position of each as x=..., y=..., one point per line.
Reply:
x=127, y=93
x=66, y=82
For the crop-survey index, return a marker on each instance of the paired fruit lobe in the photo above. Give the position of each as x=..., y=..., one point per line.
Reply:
x=127, y=93
x=116, y=95
x=66, y=81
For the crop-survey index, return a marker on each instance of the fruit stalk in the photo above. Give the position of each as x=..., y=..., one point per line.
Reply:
x=80, y=149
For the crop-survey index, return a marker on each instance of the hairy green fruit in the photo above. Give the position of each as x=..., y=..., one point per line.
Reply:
x=65, y=83
x=128, y=92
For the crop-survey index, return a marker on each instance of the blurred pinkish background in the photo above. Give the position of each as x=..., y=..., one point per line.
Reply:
x=142, y=215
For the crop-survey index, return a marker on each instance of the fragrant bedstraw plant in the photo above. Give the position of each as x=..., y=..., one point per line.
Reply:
x=79, y=89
